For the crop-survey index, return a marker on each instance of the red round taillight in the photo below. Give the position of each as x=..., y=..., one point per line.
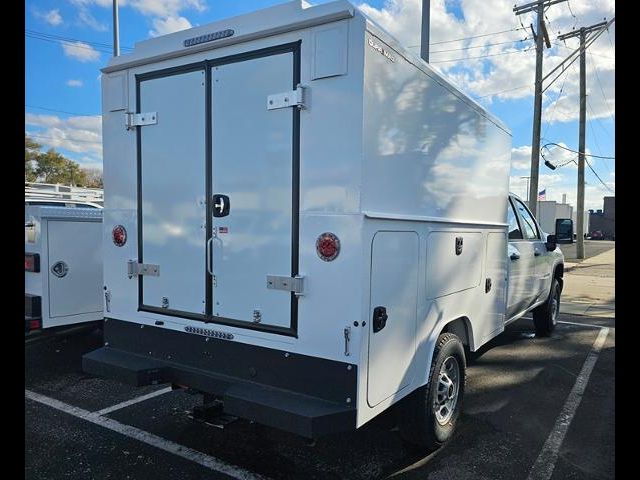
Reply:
x=119, y=235
x=328, y=246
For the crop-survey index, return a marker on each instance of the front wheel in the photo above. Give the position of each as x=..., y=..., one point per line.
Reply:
x=430, y=414
x=545, y=316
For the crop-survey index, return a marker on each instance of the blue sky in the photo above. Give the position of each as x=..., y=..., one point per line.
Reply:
x=68, y=41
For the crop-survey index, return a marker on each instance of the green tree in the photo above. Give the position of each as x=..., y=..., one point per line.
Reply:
x=31, y=153
x=53, y=167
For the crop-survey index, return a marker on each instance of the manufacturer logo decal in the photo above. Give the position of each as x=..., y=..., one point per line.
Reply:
x=59, y=269
x=381, y=50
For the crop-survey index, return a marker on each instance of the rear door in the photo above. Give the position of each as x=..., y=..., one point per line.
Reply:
x=254, y=185
x=172, y=200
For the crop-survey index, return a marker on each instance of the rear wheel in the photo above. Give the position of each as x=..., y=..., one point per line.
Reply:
x=545, y=317
x=430, y=414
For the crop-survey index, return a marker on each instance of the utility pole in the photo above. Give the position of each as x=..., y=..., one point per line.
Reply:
x=540, y=35
x=424, y=39
x=116, y=30
x=582, y=33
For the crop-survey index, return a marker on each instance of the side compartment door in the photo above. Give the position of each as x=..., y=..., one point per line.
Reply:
x=392, y=316
x=172, y=202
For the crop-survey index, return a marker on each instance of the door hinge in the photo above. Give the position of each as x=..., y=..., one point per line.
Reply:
x=289, y=284
x=135, y=269
x=140, y=119
x=293, y=98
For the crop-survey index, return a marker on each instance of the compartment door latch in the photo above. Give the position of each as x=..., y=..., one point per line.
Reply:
x=135, y=269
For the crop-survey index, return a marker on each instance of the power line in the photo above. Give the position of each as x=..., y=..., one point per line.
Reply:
x=606, y=101
x=555, y=103
x=482, y=56
x=473, y=36
x=575, y=151
x=595, y=137
x=598, y=176
x=61, y=111
x=591, y=53
x=475, y=46
x=504, y=91
x=90, y=45
x=595, y=117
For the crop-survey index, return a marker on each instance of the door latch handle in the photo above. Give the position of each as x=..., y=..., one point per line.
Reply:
x=514, y=256
x=208, y=259
x=221, y=205
x=379, y=318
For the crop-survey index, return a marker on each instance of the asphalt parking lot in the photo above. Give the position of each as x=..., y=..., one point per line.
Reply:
x=525, y=416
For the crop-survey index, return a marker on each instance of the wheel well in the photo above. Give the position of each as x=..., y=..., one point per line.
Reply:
x=461, y=328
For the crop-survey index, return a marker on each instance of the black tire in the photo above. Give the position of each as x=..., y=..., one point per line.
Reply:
x=419, y=425
x=545, y=316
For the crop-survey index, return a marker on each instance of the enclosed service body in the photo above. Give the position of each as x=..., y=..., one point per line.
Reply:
x=63, y=266
x=307, y=205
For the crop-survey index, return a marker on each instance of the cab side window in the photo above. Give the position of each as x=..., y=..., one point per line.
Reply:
x=528, y=224
x=514, y=229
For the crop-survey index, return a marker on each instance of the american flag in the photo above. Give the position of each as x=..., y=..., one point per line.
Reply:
x=542, y=195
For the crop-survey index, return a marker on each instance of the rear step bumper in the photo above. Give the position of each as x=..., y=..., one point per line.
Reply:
x=304, y=395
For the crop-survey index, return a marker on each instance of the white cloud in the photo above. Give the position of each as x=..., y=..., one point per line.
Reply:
x=163, y=26
x=150, y=8
x=52, y=17
x=79, y=134
x=507, y=75
x=86, y=18
x=74, y=83
x=166, y=8
x=80, y=51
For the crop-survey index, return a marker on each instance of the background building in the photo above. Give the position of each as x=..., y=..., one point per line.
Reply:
x=604, y=220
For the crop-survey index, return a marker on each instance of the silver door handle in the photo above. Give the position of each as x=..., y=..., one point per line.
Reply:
x=209, y=256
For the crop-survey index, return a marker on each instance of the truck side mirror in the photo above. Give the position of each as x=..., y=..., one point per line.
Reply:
x=564, y=230
x=551, y=243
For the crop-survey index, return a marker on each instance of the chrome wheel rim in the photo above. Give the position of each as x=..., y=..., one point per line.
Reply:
x=447, y=389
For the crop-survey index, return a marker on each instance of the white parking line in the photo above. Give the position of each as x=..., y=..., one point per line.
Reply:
x=583, y=324
x=545, y=463
x=187, y=453
x=133, y=401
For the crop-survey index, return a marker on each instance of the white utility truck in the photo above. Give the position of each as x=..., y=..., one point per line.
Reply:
x=63, y=266
x=306, y=222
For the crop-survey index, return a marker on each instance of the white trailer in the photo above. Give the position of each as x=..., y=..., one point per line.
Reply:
x=311, y=211
x=63, y=267
x=549, y=211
